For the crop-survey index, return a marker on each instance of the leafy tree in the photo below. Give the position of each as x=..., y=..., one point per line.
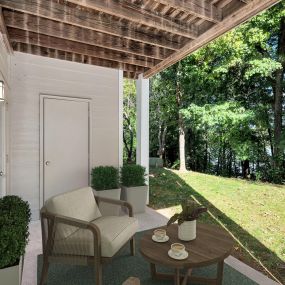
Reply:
x=129, y=120
x=229, y=100
x=162, y=115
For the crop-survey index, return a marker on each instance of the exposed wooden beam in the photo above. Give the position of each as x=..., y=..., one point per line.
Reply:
x=80, y=58
x=228, y=7
x=199, y=8
x=131, y=75
x=232, y=21
x=48, y=27
x=137, y=14
x=86, y=19
x=17, y=35
x=4, y=33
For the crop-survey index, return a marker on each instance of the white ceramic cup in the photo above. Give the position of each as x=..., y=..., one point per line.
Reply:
x=159, y=234
x=177, y=249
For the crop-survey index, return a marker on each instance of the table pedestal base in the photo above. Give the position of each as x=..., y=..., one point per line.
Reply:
x=183, y=279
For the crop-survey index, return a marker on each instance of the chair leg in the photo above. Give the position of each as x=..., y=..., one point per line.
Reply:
x=133, y=246
x=98, y=273
x=44, y=271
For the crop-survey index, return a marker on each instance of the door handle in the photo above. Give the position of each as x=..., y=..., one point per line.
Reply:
x=1, y=173
x=47, y=162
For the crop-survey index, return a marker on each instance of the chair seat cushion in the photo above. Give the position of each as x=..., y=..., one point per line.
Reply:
x=115, y=232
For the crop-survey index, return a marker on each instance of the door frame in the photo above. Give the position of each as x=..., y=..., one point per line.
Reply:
x=65, y=98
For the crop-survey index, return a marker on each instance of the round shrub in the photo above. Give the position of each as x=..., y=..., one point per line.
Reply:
x=105, y=178
x=132, y=175
x=15, y=216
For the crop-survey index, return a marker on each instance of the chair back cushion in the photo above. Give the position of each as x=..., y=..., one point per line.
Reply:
x=79, y=204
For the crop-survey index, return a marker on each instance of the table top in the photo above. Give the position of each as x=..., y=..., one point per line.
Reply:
x=212, y=244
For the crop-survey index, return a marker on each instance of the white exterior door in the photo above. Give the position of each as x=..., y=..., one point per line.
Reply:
x=2, y=150
x=65, y=145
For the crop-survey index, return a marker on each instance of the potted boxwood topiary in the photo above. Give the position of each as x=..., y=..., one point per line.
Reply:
x=134, y=189
x=105, y=182
x=187, y=219
x=15, y=216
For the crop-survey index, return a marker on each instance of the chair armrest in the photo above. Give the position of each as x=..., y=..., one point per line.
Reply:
x=121, y=203
x=74, y=222
x=78, y=223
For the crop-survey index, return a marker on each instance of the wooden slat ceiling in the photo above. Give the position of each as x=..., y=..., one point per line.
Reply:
x=137, y=36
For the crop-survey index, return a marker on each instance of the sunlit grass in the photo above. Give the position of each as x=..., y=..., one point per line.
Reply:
x=253, y=212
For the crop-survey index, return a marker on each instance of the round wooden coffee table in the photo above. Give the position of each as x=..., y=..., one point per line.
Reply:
x=212, y=245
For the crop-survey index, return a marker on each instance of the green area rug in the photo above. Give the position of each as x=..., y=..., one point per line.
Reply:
x=124, y=266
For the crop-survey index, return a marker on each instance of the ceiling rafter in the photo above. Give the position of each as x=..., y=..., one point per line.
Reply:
x=103, y=23
x=48, y=27
x=199, y=8
x=4, y=33
x=80, y=58
x=137, y=14
x=17, y=35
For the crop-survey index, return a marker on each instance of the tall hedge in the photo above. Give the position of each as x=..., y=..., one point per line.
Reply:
x=15, y=216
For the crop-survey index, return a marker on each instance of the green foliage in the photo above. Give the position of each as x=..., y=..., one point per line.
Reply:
x=15, y=216
x=129, y=122
x=269, y=174
x=262, y=68
x=190, y=212
x=105, y=178
x=228, y=123
x=227, y=102
x=176, y=164
x=132, y=175
x=163, y=114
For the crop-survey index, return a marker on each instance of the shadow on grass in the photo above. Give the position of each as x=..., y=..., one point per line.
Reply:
x=167, y=189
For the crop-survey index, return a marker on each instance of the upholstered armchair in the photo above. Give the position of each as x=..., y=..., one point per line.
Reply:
x=74, y=231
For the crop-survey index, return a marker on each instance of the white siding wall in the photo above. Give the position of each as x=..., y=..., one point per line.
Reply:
x=33, y=75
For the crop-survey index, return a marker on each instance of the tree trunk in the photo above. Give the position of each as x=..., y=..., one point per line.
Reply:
x=270, y=140
x=161, y=140
x=205, y=162
x=182, y=145
x=181, y=126
x=230, y=161
x=278, y=98
x=245, y=168
x=129, y=145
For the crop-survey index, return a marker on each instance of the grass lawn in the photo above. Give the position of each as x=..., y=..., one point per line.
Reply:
x=254, y=213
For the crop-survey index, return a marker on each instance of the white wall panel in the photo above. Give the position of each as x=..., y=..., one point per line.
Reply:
x=33, y=75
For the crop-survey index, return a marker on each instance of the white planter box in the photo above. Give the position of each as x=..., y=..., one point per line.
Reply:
x=136, y=196
x=187, y=230
x=107, y=209
x=12, y=275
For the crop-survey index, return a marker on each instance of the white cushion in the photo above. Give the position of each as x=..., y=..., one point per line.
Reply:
x=79, y=204
x=115, y=232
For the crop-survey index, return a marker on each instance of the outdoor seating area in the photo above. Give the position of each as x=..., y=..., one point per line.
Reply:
x=70, y=274
x=74, y=208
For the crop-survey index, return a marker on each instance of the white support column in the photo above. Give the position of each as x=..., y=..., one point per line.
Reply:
x=120, y=120
x=142, y=102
